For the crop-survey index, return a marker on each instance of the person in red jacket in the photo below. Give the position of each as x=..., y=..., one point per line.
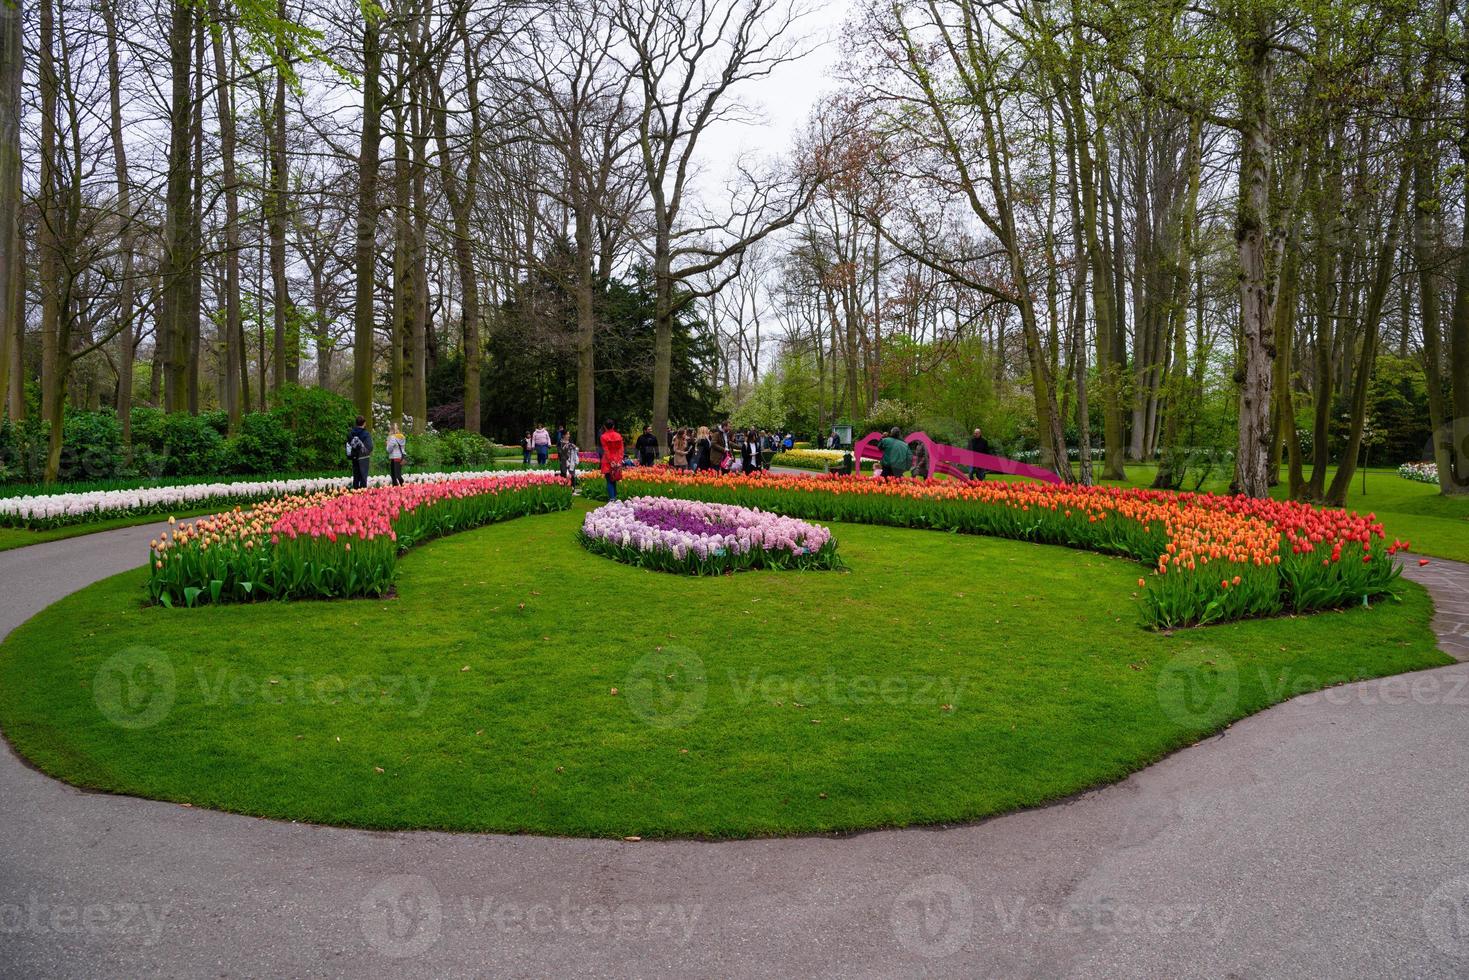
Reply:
x=611, y=457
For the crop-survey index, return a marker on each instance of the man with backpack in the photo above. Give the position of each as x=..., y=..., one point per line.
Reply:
x=359, y=452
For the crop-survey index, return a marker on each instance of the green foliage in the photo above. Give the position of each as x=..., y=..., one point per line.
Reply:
x=886, y=413
x=264, y=445
x=464, y=449
x=530, y=372
x=764, y=408
x=1398, y=411
x=91, y=447
x=191, y=446
x=318, y=421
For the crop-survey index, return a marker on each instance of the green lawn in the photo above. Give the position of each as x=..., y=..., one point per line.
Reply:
x=943, y=678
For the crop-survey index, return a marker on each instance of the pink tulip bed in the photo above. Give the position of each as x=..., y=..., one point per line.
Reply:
x=334, y=543
x=692, y=537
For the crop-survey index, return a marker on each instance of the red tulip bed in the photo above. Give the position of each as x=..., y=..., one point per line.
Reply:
x=333, y=543
x=1212, y=558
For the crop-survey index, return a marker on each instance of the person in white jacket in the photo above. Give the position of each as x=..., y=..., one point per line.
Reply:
x=397, y=453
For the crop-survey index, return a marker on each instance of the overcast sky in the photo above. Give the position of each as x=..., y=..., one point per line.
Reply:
x=786, y=96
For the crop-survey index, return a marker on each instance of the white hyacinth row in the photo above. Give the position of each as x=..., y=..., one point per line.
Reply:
x=52, y=510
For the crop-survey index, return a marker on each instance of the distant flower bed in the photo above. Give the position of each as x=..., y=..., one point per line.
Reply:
x=1213, y=558
x=1419, y=472
x=810, y=459
x=335, y=542
x=55, y=510
x=696, y=538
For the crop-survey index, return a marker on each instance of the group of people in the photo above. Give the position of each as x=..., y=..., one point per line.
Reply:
x=359, y=452
x=722, y=449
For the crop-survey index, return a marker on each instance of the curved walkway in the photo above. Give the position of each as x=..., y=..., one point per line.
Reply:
x=1328, y=836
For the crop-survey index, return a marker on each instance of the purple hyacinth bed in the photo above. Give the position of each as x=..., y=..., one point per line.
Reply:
x=696, y=538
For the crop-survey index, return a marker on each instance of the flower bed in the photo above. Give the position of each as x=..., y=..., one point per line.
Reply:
x=333, y=542
x=1212, y=558
x=1419, y=472
x=809, y=459
x=697, y=538
x=54, y=510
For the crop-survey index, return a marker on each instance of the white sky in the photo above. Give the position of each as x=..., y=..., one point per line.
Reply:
x=786, y=96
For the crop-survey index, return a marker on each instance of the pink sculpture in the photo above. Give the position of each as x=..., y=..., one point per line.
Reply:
x=950, y=459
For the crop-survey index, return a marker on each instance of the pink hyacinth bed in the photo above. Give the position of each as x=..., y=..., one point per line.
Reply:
x=696, y=538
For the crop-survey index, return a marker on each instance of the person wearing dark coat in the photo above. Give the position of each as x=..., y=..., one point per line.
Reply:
x=978, y=444
x=646, y=447
x=359, y=452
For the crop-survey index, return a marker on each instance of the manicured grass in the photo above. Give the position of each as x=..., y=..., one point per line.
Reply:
x=943, y=678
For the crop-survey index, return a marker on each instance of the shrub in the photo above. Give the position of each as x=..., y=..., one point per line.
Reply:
x=147, y=430
x=318, y=421
x=263, y=445
x=91, y=446
x=886, y=413
x=191, y=446
x=460, y=448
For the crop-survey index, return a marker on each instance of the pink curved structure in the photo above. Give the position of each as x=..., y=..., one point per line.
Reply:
x=952, y=460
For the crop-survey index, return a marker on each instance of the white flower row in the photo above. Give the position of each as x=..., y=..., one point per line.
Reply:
x=1419, y=472
x=73, y=508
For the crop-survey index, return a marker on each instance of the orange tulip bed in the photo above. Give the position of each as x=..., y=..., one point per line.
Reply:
x=1211, y=558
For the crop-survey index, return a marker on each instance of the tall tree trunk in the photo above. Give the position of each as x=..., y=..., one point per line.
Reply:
x=194, y=310
x=12, y=261
x=1257, y=281
x=1182, y=399
x=285, y=354
x=663, y=314
x=1336, y=495
x=405, y=288
x=178, y=203
x=48, y=248
x=127, y=336
x=365, y=260
x=233, y=390
x=417, y=228
x=1459, y=323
